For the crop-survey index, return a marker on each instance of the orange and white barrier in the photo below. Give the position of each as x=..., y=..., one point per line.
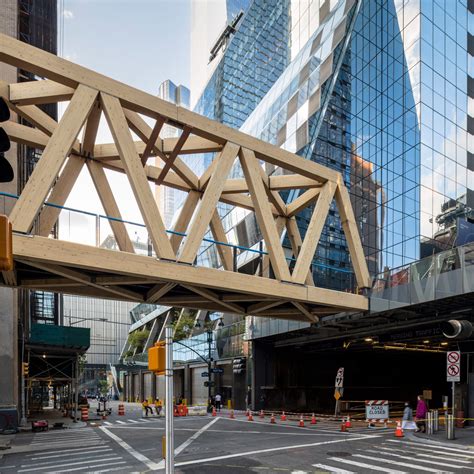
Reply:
x=121, y=409
x=85, y=414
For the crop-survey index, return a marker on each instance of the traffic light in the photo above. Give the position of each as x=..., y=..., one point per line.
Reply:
x=157, y=358
x=239, y=365
x=26, y=369
x=6, y=171
x=6, y=244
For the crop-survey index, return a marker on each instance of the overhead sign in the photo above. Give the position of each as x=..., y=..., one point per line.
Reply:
x=453, y=366
x=376, y=410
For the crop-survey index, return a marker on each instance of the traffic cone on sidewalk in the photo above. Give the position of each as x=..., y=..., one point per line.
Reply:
x=232, y=414
x=214, y=413
x=247, y=414
x=261, y=415
x=313, y=420
x=250, y=417
x=343, y=426
x=399, y=430
x=348, y=422
x=272, y=419
x=283, y=416
x=301, y=422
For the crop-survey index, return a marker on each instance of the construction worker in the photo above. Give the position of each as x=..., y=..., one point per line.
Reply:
x=158, y=406
x=146, y=406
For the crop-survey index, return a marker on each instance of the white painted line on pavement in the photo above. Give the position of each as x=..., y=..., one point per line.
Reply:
x=333, y=469
x=109, y=470
x=432, y=446
x=69, y=454
x=107, y=423
x=121, y=422
x=416, y=459
x=431, y=456
x=440, y=451
x=270, y=450
x=43, y=465
x=366, y=466
x=133, y=421
x=398, y=463
x=94, y=465
x=139, y=456
x=196, y=435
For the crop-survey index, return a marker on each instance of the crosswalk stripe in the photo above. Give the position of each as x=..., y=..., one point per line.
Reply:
x=417, y=459
x=133, y=421
x=60, y=444
x=107, y=423
x=40, y=466
x=120, y=422
x=93, y=466
x=398, y=463
x=433, y=455
x=77, y=453
x=440, y=446
x=333, y=469
x=366, y=466
x=444, y=453
x=68, y=450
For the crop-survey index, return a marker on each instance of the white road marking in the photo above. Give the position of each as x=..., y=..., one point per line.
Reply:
x=444, y=453
x=366, y=466
x=54, y=466
x=434, y=455
x=93, y=466
x=77, y=453
x=109, y=470
x=333, y=469
x=432, y=446
x=133, y=421
x=270, y=450
x=417, y=459
x=68, y=450
x=398, y=463
x=137, y=455
x=107, y=423
x=120, y=422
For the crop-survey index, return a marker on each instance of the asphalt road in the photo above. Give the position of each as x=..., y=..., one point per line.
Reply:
x=221, y=445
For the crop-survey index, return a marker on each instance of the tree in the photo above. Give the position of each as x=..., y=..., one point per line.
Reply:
x=103, y=387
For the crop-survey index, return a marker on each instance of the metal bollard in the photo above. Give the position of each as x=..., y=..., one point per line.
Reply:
x=435, y=421
x=450, y=426
x=429, y=423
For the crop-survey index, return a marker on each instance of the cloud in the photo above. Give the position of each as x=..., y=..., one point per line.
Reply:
x=68, y=14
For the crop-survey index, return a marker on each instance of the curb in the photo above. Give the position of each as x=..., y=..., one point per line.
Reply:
x=421, y=439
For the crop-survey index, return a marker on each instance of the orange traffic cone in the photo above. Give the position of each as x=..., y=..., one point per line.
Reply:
x=272, y=419
x=250, y=417
x=348, y=422
x=399, y=430
x=232, y=414
x=343, y=426
x=261, y=415
x=214, y=413
x=313, y=420
x=301, y=422
x=283, y=416
x=247, y=413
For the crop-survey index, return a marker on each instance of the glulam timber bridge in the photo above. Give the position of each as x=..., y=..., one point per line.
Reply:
x=169, y=275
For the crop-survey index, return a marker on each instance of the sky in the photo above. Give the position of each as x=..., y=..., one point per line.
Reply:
x=139, y=42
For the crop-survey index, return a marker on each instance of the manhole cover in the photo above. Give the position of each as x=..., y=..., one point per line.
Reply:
x=338, y=453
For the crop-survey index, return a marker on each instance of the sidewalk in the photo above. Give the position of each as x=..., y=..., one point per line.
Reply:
x=53, y=416
x=464, y=437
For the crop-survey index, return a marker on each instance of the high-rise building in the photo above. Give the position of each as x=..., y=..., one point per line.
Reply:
x=168, y=198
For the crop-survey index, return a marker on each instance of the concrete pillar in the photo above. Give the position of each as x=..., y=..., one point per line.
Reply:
x=9, y=370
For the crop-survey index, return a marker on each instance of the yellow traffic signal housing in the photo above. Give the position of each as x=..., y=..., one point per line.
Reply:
x=26, y=368
x=157, y=358
x=6, y=244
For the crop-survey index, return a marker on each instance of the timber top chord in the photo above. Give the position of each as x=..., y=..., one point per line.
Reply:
x=171, y=276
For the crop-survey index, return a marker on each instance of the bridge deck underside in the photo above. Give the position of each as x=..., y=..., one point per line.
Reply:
x=90, y=271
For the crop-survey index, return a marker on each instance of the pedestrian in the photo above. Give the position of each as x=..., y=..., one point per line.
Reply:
x=158, y=406
x=146, y=406
x=421, y=411
x=218, y=399
x=407, y=421
x=249, y=397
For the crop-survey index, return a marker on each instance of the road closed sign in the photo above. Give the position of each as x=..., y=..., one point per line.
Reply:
x=376, y=410
x=453, y=366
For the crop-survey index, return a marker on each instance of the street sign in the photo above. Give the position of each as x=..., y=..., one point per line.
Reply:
x=339, y=378
x=337, y=394
x=209, y=384
x=376, y=410
x=204, y=374
x=217, y=371
x=453, y=366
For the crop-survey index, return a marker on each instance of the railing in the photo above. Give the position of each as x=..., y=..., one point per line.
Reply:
x=84, y=227
x=442, y=275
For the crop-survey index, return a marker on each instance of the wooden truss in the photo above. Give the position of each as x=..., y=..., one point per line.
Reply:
x=171, y=278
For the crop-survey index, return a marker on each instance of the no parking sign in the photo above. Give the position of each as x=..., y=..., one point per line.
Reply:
x=453, y=366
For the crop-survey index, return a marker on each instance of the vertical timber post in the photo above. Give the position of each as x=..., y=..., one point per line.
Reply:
x=169, y=461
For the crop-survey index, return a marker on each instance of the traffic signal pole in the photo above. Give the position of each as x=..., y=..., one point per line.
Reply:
x=169, y=433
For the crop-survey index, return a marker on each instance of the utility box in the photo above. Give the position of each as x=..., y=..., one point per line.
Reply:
x=157, y=358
